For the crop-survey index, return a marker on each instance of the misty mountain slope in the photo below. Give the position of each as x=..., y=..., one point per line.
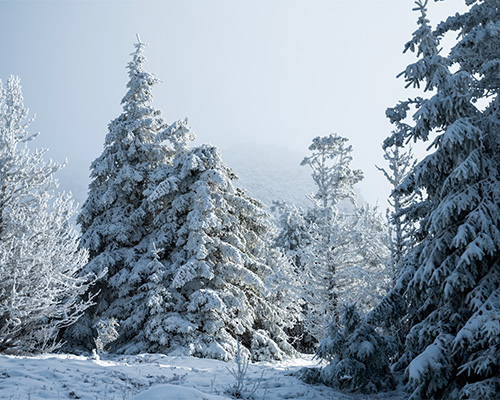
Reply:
x=270, y=173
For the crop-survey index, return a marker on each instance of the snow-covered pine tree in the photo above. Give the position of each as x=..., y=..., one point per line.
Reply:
x=451, y=282
x=329, y=228
x=210, y=237
x=39, y=254
x=357, y=355
x=113, y=219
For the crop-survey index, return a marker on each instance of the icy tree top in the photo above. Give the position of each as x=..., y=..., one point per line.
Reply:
x=141, y=81
x=331, y=172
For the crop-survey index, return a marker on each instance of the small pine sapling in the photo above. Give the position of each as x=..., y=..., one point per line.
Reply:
x=358, y=356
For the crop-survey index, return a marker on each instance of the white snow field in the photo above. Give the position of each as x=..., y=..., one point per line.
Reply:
x=156, y=377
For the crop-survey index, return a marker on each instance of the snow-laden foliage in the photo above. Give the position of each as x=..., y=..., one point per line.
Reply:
x=113, y=221
x=357, y=355
x=181, y=251
x=210, y=239
x=331, y=172
x=339, y=256
x=364, y=276
x=293, y=238
x=448, y=293
x=39, y=255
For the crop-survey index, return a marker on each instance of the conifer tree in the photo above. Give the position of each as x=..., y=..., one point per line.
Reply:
x=357, y=355
x=39, y=254
x=113, y=220
x=449, y=289
x=329, y=228
x=210, y=237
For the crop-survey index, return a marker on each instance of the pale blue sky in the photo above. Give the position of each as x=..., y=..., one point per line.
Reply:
x=277, y=72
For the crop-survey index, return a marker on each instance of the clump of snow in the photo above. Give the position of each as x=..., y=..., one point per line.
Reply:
x=424, y=362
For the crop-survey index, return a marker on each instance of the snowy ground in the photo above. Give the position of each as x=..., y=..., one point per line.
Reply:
x=154, y=377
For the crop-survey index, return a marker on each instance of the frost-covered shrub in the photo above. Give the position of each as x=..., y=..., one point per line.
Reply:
x=106, y=333
x=39, y=254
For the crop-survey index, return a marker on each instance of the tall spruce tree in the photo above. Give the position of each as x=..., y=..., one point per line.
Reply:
x=451, y=282
x=447, y=297
x=113, y=220
x=459, y=256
